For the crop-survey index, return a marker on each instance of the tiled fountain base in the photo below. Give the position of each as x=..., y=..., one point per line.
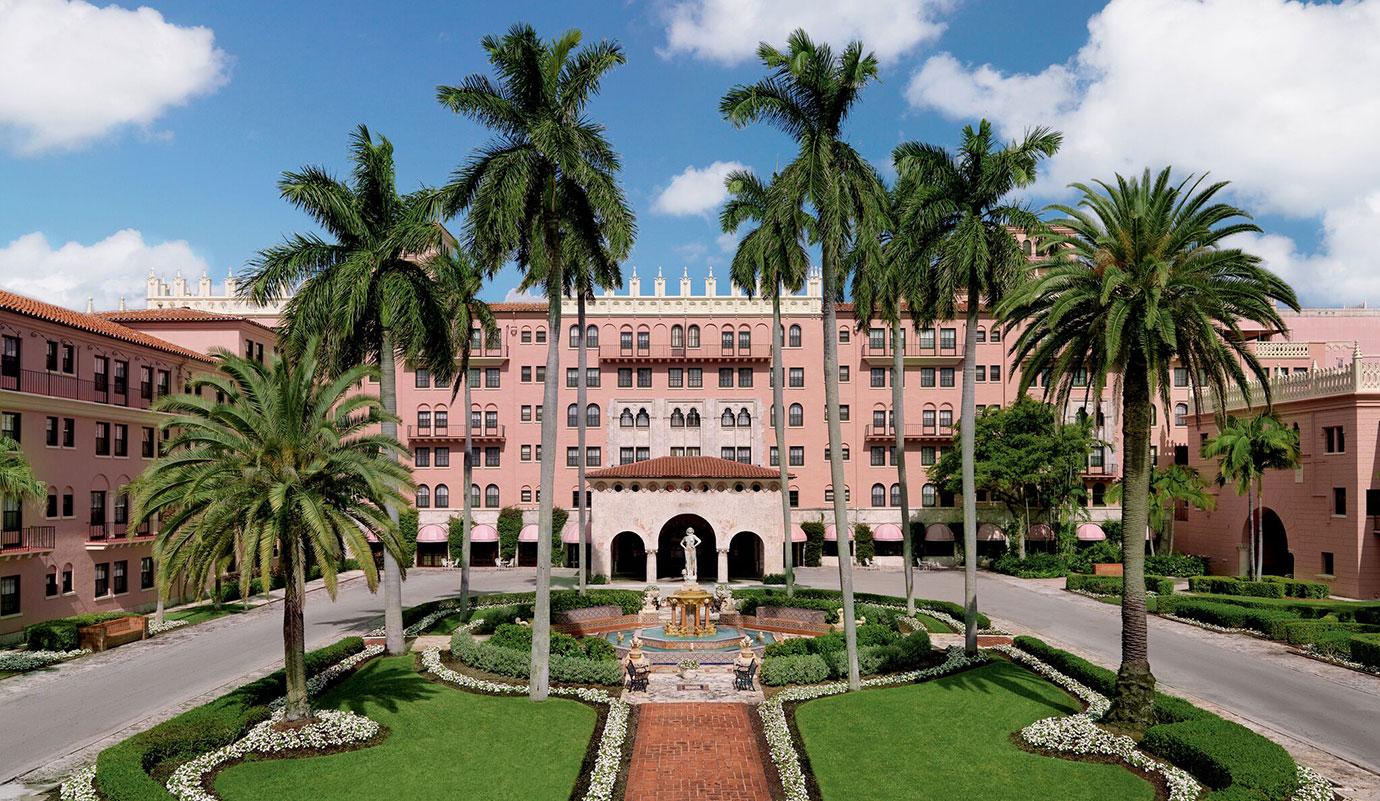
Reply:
x=710, y=684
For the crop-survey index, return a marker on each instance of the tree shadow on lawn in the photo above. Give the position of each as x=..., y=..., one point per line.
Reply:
x=1023, y=684
x=379, y=684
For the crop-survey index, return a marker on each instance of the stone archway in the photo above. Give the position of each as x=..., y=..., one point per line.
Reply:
x=670, y=557
x=628, y=555
x=745, y=552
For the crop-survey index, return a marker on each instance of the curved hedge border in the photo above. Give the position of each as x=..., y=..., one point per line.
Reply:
x=828, y=602
x=517, y=663
x=1112, y=585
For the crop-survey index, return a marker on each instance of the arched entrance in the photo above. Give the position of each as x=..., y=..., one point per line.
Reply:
x=1275, y=559
x=670, y=557
x=628, y=556
x=745, y=556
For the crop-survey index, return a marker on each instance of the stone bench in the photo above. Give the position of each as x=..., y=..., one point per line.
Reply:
x=112, y=633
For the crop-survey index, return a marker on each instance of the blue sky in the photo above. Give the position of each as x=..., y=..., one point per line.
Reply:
x=189, y=177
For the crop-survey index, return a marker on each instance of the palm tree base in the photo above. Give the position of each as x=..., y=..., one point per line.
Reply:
x=1133, y=698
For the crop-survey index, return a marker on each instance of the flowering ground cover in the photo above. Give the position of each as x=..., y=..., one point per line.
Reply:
x=951, y=738
x=441, y=744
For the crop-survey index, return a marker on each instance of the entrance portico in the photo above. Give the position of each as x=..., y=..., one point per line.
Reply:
x=731, y=507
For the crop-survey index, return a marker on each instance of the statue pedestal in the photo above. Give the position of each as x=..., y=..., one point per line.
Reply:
x=690, y=608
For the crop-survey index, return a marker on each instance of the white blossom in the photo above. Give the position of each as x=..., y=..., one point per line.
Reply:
x=20, y=661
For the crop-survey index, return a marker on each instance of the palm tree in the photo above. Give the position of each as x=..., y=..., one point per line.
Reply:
x=363, y=292
x=549, y=176
x=770, y=258
x=1246, y=448
x=808, y=95
x=18, y=483
x=1170, y=486
x=1138, y=281
x=963, y=199
x=471, y=318
x=282, y=468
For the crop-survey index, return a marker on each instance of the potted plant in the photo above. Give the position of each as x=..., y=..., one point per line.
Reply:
x=687, y=667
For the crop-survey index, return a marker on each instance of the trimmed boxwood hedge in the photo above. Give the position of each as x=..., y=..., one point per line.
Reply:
x=122, y=770
x=1231, y=759
x=1365, y=648
x=829, y=600
x=630, y=601
x=516, y=662
x=60, y=634
x=1111, y=585
x=880, y=650
x=1268, y=587
x=794, y=669
x=1270, y=622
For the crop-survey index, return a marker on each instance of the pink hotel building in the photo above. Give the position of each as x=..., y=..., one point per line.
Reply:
x=679, y=436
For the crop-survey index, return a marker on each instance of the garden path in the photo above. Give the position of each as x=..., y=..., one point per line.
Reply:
x=699, y=751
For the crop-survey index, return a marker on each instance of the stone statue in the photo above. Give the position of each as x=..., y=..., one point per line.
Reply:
x=689, y=542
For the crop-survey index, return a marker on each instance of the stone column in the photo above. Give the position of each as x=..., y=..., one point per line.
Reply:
x=651, y=566
x=723, y=565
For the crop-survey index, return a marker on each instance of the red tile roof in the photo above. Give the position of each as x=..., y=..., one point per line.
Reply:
x=686, y=467
x=90, y=323
x=176, y=315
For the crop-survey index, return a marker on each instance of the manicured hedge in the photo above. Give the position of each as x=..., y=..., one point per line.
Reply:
x=1268, y=587
x=829, y=601
x=1231, y=759
x=1294, y=588
x=509, y=635
x=798, y=669
x=517, y=663
x=1315, y=632
x=774, y=578
x=122, y=770
x=1345, y=611
x=1181, y=565
x=1365, y=648
x=60, y=634
x=1270, y=622
x=1111, y=585
x=630, y=601
x=799, y=660
x=814, y=542
x=1034, y=565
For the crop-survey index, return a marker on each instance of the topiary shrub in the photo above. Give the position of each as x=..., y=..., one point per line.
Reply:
x=509, y=527
x=801, y=669
x=863, y=547
x=814, y=542
x=572, y=667
x=1034, y=565
x=1270, y=622
x=1181, y=565
x=1222, y=754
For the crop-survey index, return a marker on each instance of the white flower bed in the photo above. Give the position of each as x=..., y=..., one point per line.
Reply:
x=1313, y=651
x=1312, y=787
x=610, y=753
x=445, y=610
x=20, y=661
x=1210, y=626
x=953, y=622
x=80, y=786
x=778, y=732
x=166, y=625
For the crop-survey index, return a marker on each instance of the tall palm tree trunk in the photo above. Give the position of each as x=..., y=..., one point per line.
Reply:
x=898, y=420
x=1134, y=696
x=1259, y=527
x=1250, y=530
x=778, y=422
x=162, y=591
x=541, y=613
x=967, y=427
x=831, y=413
x=467, y=470
x=297, y=705
x=392, y=572
x=582, y=559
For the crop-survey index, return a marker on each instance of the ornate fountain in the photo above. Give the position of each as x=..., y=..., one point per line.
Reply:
x=691, y=605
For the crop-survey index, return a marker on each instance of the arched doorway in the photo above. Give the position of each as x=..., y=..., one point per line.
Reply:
x=745, y=556
x=670, y=557
x=1275, y=559
x=628, y=556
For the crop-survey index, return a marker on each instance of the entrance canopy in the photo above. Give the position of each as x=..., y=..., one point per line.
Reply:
x=939, y=532
x=887, y=532
x=529, y=533
x=432, y=532
x=571, y=533
x=483, y=533
x=988, y=532
x=1040, y=532
x=1091, y=532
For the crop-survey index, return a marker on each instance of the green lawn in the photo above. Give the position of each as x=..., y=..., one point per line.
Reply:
x=444, y=743
x=951, y=738
x=934, y=626
x=204, y=612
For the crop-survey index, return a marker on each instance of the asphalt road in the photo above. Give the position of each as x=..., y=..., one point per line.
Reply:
x=1323, y=706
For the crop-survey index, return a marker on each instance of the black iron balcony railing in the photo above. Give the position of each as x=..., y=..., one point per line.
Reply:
x=36, y=538
x=57, y=385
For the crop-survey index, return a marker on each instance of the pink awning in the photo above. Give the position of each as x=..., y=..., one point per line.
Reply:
x=483, y=533
x=939, y=532
x=1091, y=532
x=988, y=532
x=831, y=534
x=887, y=532
x=797, y=533
x=1040, y=532
x=528, y=533
x=432, y=532
x=571, y=533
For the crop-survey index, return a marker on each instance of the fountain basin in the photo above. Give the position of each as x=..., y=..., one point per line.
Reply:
x=656, y=638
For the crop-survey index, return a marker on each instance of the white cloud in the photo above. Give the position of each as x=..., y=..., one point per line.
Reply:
x=727, y=243
x=71, y=72
x=1281, y=98
x=104, y=271
x=516, y=295
x=728, y=31
x=696, y=190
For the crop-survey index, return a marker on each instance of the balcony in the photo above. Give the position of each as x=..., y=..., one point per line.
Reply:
x=1105, y=470
x=674, y=353
x=914, y=353
x=915, y=432
x=58, y=385
x=494, y=356
x=100, y=536
x=18, y=543
x=479, y=436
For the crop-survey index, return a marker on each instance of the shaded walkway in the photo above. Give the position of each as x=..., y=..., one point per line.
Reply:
x=696, y=751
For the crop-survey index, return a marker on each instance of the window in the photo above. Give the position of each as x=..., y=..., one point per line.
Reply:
x=878, y=454
x=644, y=341
x=422, y=378
x=1180, y=376
x=643, y=454
x=1099, y=494
x=994, y=372
x=594, y=457
x=526, y=375
x=51, y=362
x=9, y=596
x=473, y=377
x=726, y=340
x=121, y=577
x=67, y=579
x=879, y=418
x=692, y=337
x=744, y=418
x=146, y=573
x=525, y=415
x=876, y=339
x=476, y=496
x=981, y=334
x=948, y=338
x=572, y=456
x=675, y=377
x=726, y=420
x=643, y=419
x=677, y=336
x=526, y=336
x=122, y=377
x=927, y=420
x=726, y=452
x=491, y=377
x=795, y=498
x=100, y=373
x=50, y=586
x=541, y=336
x=946, y=376
x=525, y=453
x=442, y=457
x=121, y=439
x=793, y=337
x=50, y=509
x=69, y=504
x=695, y=376
x=844, y=374
x=491, y=496
x=1339, y=501
x=146, y=444
x=1180, y=414
x=845, y=335
x=744, y=376
x=423, y=496
x=1334, y=438
x=11, y=425
x=946, y=419
x=796, y=455
x=677, y=418
x=726, y=374
x=980, y=373
x=926, y=376
x=797, y=378
x=896, y=495
x=421, y=457
x=795, y=416
x=69, y=359
x=625, y=455
x=692, y=418
x=50, y=431
x=102, y=583
x=644, y=377
x=625, y=419
x=878, y=495
x=526, y=495
x=878, y=377
x=164, y=383
x=574, y=336
x=442, y=496
x=927, y=455
x=1328, y=563
x=845, y=412
x=102, y=439
x=442, y=420
x=773, y=456
x=492, y=456
x=625, y=377
x=745, y=339
x=927, y=496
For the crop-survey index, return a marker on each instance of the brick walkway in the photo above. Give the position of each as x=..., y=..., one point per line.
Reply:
x=696, y=752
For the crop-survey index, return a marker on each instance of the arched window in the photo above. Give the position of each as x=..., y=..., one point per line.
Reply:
x=574, y=336
x=692, y=418
x=927, y=495
x=845, y=452
x=745, y=339
x=592, y=415
x=572, y=415
x=491, y=496
x=423, y=496
x=878, y=495
x=592, y=337
x=727, y=339
x=677, y=336
x=726, y=419
x=1028, y=248
x=677, y=418
x=744, y=418
x=625, y=339
x=793, y=337
x=526, y=495
x=981, y=334
x=442, y=496
x=692, y=337
x=643, y=419
x=895, y=494
x=795, y=416
x=474, y=496
x=1180, y=414
x=1099, y=494
x=626, y=418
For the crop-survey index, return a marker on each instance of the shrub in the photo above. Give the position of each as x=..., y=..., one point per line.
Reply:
x=1294, y=588
x=829, y=601
x=876, y=634
x=519, y=638
x=1035, y=565
x=495, y=616
x=1267, y=587
x=801, y=669
x=795, y=646
x=569, y=668
x=1365, y=648
x=1111, y=585
x=630, y=601
x=598, y=578
x=1313, y=632
x=863, y=547
x=814, y=542
x=1100, y=552
x=1271, y=622
x=60, y=634
x=509, y=527
x=1176, y=564
x=774, y=578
